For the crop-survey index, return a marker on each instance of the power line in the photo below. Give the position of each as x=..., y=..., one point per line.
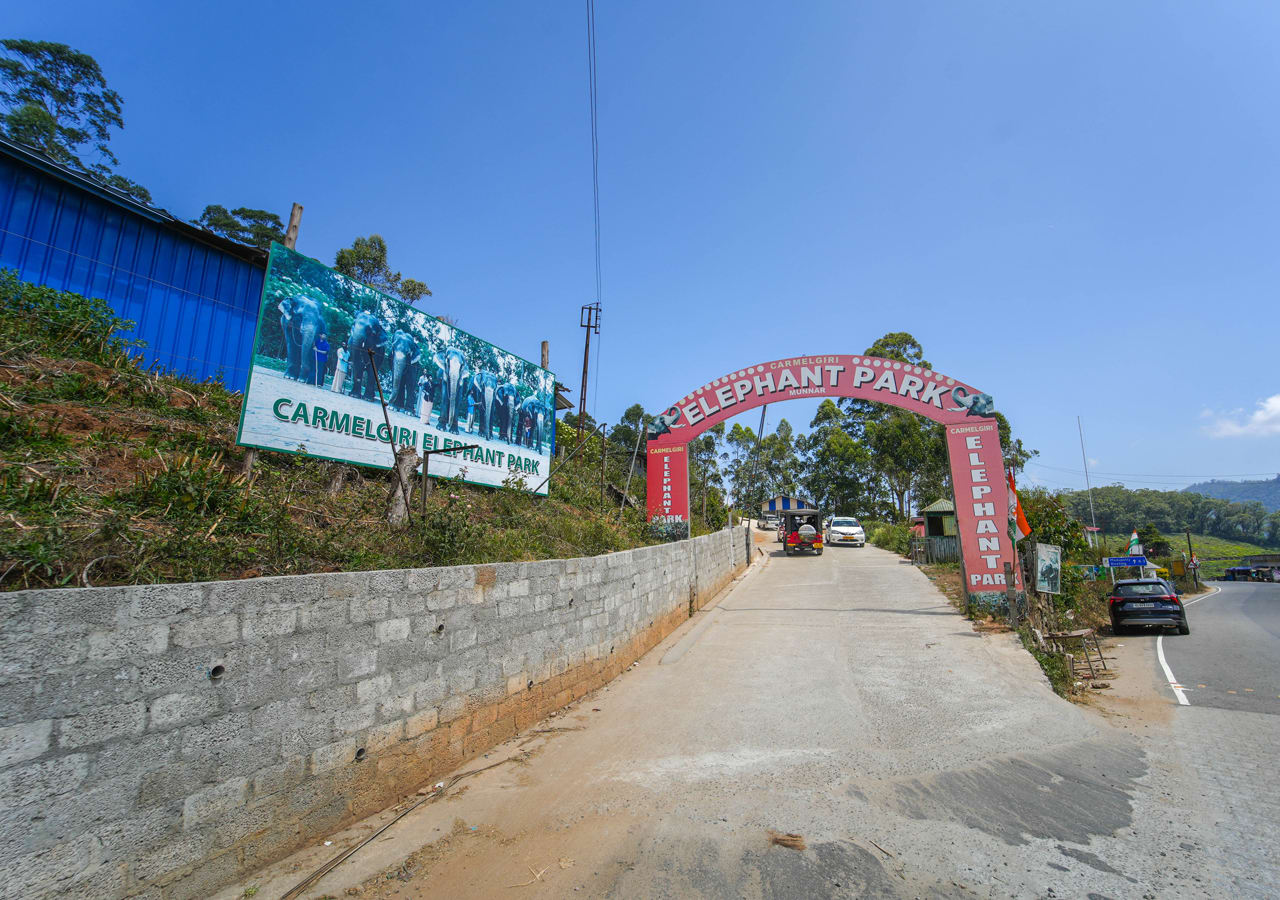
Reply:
x=593, y=98
x=595, y=137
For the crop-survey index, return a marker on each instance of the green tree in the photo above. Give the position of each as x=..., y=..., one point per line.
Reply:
x=837, y=470
x=631, y=425
x=255, y=227
x=366, y=261
x=56, y=100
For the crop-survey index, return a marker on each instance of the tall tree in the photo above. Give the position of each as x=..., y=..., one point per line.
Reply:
x=366, y=261
x=56, y=99
x=255, y=227
x=837, y=470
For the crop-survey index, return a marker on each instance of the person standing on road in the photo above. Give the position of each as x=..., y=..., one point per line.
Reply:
x=322, y=358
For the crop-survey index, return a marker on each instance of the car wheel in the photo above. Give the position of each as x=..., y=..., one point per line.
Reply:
x=819, y=552
x=1184, y=627
x=1117, y=628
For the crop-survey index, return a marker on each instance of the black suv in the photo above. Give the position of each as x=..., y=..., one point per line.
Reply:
x=1146, y=601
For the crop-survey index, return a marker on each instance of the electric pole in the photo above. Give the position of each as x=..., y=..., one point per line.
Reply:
x=590, y=320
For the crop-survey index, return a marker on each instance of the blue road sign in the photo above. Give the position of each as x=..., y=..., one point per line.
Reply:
x=1120, y=562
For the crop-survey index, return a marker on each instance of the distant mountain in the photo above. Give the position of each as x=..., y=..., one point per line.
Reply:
x=1265, y=492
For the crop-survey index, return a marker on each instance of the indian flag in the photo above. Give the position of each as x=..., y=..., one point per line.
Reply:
x=1020, y=526
x=1135, y=548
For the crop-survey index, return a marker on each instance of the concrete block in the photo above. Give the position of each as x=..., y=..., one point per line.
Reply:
x=146, y=640
x=161, y=601
x=407, y=604
x=36, y=781
x=396, y=707
x=268, y=624
x=461, y=639
x=170, y=856
x=359, y=664
x=323, y=614
x=172, y=710
x=383, y=736
x=372, y=689
x=206, y=631
x=392, y=630
x=280, y=777
x=204, y=879
x=173, y=671
x=430, y=692
x=207, y=806
x=442, y=599
x=421, y=723
x=40, y=874
x=455, y=577
x=357, y=718
x=27, y=740
x=334, y=756
x=422, y=581
x=99, y=724
x=367, y=609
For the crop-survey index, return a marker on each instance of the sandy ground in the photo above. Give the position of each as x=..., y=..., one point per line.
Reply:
x=839, y=699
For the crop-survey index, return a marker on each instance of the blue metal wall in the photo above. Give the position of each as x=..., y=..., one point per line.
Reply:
x=195, y=305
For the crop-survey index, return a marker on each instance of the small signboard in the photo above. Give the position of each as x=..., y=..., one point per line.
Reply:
x=1048, y=569
x=1121, y=562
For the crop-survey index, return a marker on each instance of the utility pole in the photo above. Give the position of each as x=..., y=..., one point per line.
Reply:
x=604, y=455
x=290, y=241
x=590, y=320
x=755, y=469
x=1192, y=562
x=1093, y=520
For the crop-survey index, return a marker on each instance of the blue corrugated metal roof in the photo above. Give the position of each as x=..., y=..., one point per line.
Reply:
x=783, y=503
x=193, y=295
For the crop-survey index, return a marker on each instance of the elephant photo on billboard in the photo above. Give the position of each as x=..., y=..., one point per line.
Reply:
x=367, y=333
x=484, y=392
x=406, y=357
x=454, y=379
x=507, y=401
x=533, y=423
x=302, y=321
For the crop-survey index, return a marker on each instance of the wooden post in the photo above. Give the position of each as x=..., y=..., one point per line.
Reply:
x=391, y=437
x=290, y=241
x=546, y=354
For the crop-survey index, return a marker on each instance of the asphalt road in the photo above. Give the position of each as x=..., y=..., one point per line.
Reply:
x=1231, y=659
x=837, y=698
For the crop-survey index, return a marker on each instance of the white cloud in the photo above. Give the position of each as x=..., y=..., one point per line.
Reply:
x=1094, y=462
x=1262, y=422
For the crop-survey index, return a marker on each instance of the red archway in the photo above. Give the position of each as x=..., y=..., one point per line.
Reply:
x=973, y=441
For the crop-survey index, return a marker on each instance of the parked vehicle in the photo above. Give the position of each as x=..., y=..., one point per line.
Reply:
x=846, y=530
x=802, y=533
x=1146, y=602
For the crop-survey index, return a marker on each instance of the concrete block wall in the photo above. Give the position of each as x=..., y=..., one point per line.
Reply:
x=161, y=741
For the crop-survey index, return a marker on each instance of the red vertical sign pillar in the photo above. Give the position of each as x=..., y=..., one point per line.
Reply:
x=982, y=511
x=668, y=481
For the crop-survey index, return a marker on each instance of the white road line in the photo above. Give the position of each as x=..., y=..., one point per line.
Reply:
x=1173, y=682
x=1198, y=599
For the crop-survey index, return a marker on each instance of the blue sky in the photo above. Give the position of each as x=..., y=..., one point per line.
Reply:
x=1072, y=206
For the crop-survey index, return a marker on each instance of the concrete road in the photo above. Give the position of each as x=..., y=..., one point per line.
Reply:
x=1231, y=659
x=835, y=698
x=1228, y=727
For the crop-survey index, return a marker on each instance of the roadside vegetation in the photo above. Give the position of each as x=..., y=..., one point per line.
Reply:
x=114, y=474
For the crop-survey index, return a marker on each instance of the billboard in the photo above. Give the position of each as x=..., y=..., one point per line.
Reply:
x=326, y=343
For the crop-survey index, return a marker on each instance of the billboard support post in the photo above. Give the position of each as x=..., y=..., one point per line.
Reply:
x=395, y=454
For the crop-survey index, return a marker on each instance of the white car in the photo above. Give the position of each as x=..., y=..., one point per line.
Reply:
x=845, y=530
